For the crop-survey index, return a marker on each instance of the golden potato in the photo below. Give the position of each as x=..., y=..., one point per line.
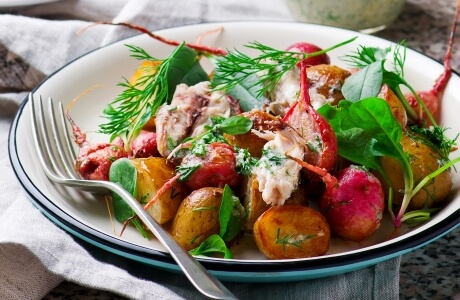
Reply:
x=261, y=121
x=145, y=68
x=256, y=206
x=327, y=81
x=423, y=160
x=398, y=110
x=152, y=173
x=197, y=217
x=292, y=231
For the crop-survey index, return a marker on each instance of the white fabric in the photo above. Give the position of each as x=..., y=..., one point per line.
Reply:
x=36, y=255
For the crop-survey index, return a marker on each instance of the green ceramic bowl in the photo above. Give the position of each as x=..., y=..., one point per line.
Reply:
x=363, y=15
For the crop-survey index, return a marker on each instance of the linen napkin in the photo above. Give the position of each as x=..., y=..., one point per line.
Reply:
x=36, y=255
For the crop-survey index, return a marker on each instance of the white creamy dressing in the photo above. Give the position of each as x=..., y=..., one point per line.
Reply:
x=277, y=175
x=286, y=92
x=303, y=237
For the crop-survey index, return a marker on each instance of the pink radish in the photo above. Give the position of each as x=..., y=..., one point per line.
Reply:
x=432, y=99
x=354, y=207
x=310, y=48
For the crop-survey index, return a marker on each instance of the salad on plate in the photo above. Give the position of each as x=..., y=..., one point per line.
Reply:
x=281, y=146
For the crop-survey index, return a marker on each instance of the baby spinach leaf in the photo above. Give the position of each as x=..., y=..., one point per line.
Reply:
x=246, y=91
x=124, y=173
x=365, y=83
x=230, y=215
x=366, y=130
x=184, y=67
x=236, y=125
x=214, y=244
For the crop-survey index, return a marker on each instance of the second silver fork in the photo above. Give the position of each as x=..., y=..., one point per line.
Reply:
x=58, y=167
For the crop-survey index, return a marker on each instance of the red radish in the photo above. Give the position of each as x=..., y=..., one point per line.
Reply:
x=216, y=167
x=432, y=98
x=145, y=145
x=312, y=127
x=354, y=207
x=94, y=160
x=308, y=49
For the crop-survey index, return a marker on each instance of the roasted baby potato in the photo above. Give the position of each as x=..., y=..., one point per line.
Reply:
x=398, y=110
x=326, y=84
x=197, y=217
x=261, y=121
x=292, y=231
x=256, y=206
x=152, y=173
x=423, y=160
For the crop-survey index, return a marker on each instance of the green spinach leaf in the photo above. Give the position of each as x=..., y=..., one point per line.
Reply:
x=124, y=173
x=214, y=244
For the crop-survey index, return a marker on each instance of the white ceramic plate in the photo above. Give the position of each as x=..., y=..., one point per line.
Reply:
x=87, y=216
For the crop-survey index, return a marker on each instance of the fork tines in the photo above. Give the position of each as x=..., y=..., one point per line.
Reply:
x=52, y=141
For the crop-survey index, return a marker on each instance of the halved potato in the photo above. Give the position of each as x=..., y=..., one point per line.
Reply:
x=255, y=205
x=326, y=83
x=197, y=217
x=152, y=173
x=423, y=160
x=292, y=231
x=398, y=110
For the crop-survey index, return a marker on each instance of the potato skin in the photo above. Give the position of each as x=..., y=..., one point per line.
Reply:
x=423, y=160
x=152, y=173
x=254, y=204
x=398, y=110
x=261, y=121
x=290, y=223
x=197, y=217
x=327, y=80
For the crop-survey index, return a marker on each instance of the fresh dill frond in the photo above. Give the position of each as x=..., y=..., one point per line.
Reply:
x=139, y=101
x=436, y=139
x=365, y=56
x=399, y=58
x=131, y=109
x=291, y=240
x=269, y=66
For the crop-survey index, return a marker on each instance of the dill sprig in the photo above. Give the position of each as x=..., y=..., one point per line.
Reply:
x=131, y=109
x=365, y=56
x=270, y=65
x=399, y=58
x=290, y=240
x=437, y=140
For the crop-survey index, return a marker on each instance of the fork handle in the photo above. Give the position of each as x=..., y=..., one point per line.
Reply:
x=199, y=276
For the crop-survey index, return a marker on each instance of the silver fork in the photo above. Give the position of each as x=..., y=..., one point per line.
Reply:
x=56, y=158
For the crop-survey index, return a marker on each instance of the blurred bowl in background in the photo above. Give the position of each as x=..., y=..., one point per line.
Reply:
x=364, y=15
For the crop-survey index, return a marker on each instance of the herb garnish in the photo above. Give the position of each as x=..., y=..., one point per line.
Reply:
x=367, y=130
x=368, y=81
x=291, y=240
x=139, y=101
x=231, y=216
x=244, y=161
x=235, y=68
x=435, y=138
x=214, y=133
